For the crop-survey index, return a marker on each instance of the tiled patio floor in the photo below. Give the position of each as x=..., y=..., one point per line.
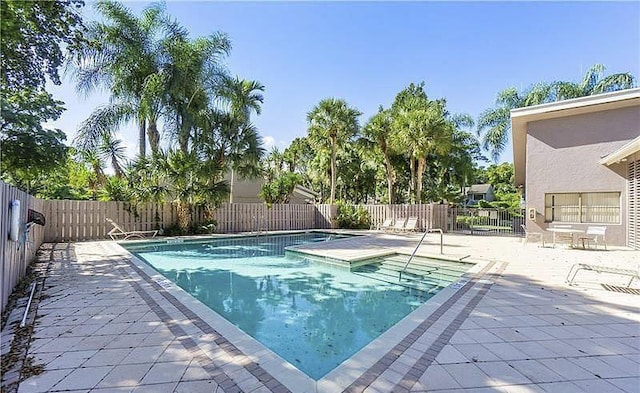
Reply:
x=107, y=324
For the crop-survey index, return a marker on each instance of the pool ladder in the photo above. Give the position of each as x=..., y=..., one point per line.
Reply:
x=418, y=246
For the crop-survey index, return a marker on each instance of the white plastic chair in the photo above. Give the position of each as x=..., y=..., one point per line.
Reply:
x=386, y=225
x=399, y=226
x=411, y=224
x=594, y=233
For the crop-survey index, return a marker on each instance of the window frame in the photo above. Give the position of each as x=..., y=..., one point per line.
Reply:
x=581, y=207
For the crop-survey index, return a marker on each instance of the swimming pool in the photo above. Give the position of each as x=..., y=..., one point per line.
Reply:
x=312, y=314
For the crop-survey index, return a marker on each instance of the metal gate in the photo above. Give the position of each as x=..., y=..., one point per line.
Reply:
x=486, y=221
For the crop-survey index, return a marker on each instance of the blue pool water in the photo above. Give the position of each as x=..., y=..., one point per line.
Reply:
x=312, y=314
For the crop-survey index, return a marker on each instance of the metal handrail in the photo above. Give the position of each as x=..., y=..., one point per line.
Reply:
x=418, y=246
x=259, y=222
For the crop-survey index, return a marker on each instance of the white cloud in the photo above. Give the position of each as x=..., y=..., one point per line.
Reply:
x=269, y=142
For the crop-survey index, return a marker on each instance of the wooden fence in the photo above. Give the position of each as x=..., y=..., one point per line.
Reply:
x=16, y=255
x=251, y=217
x=68, y=221
x=86, y=220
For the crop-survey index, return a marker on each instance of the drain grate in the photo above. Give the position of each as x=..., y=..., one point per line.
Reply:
x=614, y=288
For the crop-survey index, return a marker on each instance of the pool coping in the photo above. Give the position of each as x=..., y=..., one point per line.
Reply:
x=292, y=379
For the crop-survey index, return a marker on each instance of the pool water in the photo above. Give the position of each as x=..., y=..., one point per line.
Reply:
x=312, y=314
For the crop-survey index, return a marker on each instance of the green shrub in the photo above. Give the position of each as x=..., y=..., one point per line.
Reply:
x=173, y=230
x=351, y=217
x=483, y=204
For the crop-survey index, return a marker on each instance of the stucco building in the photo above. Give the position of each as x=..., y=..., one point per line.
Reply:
x=578, y=162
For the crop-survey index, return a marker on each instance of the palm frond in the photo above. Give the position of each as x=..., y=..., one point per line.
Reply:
x=614, y=82
x=104, y=120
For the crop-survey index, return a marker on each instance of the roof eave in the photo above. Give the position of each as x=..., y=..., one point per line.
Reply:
x=622, y=153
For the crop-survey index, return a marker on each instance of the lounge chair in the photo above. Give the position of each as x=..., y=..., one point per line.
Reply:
x=386, y=225
x=593, y=234
x=399, y=226
x=532, y=235
x=117, y=232
x=411, y=225
x=634, y=274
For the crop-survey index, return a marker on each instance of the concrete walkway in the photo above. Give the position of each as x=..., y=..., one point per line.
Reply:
x=107, y=325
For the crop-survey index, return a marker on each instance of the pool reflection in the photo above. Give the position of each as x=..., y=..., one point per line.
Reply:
x=333, y=311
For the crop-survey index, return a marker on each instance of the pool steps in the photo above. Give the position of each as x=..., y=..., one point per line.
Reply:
x=423, y=274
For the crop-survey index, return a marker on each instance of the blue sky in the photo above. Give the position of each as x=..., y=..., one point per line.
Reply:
x=366, y=52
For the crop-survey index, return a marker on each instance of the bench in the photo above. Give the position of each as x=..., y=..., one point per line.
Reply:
x=634, y=274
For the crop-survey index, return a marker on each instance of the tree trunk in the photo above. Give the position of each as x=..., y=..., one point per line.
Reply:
x=231, y=186
x=142, y=140
x=390, y=174
x=412, y=181
x=421, y=162
x=333, y=171
x=116, y=168
x=183, y=140
x=154, y=136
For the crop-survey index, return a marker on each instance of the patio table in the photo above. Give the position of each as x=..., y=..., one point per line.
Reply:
x=570, y=231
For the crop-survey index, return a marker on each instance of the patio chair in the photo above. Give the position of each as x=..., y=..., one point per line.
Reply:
x=411, y=225
x=117, y=231
x=386, y=225
x=593, y=233
x=532, y=235
x=399, y=226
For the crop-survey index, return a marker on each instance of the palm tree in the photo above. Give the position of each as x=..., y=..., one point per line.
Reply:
x=193, y=75
x=422, y=129
x=233, y=143
x=495, y=122
x=379, y=130
x=122, y=55
x=332, y=122
x=242, y=98
x=111, y=150
x=192, y=182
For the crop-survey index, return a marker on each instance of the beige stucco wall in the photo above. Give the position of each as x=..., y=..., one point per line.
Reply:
x=563, y=156
x=246, y=191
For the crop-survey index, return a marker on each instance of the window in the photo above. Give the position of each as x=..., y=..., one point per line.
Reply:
x=587, y=207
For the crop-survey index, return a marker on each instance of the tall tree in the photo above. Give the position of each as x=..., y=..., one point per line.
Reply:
x=233, y=143
x=495, y=125
x=332, y=122
x=122, y=56
x=243, y=98
x=152, y=69
x=422, y=128
x=379, y=130
x=194, y=75
x=31, y=52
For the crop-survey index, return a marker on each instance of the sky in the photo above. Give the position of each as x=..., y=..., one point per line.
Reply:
x=366, y=52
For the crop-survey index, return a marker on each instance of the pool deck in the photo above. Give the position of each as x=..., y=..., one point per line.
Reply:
x=108, y=323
